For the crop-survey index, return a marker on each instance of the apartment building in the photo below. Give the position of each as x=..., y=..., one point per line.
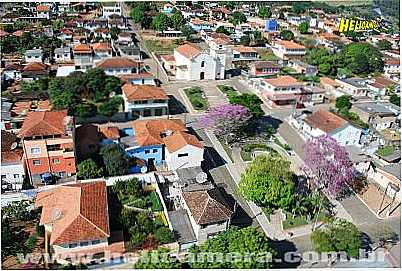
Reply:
x=288, y=49
x=47, y=139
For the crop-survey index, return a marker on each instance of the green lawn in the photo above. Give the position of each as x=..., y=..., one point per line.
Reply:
x=228, y=90
x=158, y=46
x=268, y=55
x=285, y=146
x=247, y=150
x=197, y=98
x=291, y=222
x=385, y=151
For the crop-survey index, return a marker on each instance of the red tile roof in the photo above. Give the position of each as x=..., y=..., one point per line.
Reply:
x=325, y=121
x=328, y=81
x=78, y=212
x=168, y=58
x=118, y=62
x=110, y=132
x=35, y=67
x=244, y=49
x=289, y=44
x=82, y=48
x=102, y=46
x=207, y=207
x=148, y=132
x=131, y=76
x=143, y=92
x=180, y=139
x=283, y=81
x=42, y=8
x=189, y=50
x=42, y=123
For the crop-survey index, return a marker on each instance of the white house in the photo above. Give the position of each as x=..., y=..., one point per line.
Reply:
x=392, y=67
x=353, y=86
x=12, y=71
x=192, y=63
x=34, y=55
x=209, y=213
x=63, y=54
x=110, y=9
x=145, y=100
x=288, y=49
x=183, y=150
x=43, y=11
x=12, y=164
x=119, y=65
x=323, y=122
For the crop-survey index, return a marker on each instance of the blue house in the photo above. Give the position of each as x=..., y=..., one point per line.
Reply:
x=146, y=139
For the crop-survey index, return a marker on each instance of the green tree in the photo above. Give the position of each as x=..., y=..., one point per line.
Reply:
x=85, y=110
x=251, y=101
x=222, y=29
x=242, y=241
x=160, y=22
x=395, y=99
x=237, y=17
x=300, y=7
x=384, y=45
x=338, y=235
x=137, y=14
x=187, y=31
x=177, y=20
x=111, y=106
x=57, y=25
x=269, y=182
x=325, y=68
x=159, y=259
x=115, y=159
x=164, y=235
x=343, y=102
x=245, y=40
x=126, y=188
x=304, y=27
x=264, y=12
x=287, y=35
x=114, y=32
x=88, y=169
x=361, y=58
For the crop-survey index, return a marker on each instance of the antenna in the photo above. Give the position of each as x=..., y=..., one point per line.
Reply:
x=201, y=177
x=56, y=214
x=13, y=146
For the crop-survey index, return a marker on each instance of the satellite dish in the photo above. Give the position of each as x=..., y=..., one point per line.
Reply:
x=56, y=214
x=201, y=177
x=144, y=169
x=13, y=146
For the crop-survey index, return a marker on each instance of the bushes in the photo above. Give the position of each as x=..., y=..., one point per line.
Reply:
x=31, y=242
x=111, y=106
x=164, y=235
x=40, y=230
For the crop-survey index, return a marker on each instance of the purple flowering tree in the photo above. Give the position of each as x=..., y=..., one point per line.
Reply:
x=227, y=120
x=328, y=164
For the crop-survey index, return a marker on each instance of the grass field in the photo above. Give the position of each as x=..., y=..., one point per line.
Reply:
x=196, y=97
x=161, y=46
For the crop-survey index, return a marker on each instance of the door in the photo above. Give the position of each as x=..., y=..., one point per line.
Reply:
x=202, y=75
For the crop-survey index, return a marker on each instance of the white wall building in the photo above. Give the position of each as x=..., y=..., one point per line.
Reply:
x=324, y=122
x=182, y=151
x=192, y=63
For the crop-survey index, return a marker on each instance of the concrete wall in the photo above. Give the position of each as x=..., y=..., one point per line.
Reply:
x=194, y=158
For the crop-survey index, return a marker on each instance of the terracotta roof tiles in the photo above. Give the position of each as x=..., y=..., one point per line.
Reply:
x=42, y=123
x=207, y=207
x=143, y=92
x=118, y=62
x=180, y=139
x=325, y=121
x=283, y=81
x=78, y=212
x=189, y=50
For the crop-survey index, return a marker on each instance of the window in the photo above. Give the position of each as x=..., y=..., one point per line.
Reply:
x=182, y=154
x=202, y=64
x=94, y=242
x=16, y=176
x=83, y=244
x=154, y=150
x=147, y=151
x=56, y=161
x=36, y=162
x=73, y=245
x=35, y=150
